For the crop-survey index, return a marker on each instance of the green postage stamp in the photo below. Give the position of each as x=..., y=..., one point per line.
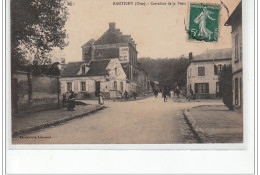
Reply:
x=204, y=22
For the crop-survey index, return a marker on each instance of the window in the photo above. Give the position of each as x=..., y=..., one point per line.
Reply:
x=201, y=71
x=201, y=88
x=217, y=69
x=236, y=48
x=69, y=86
x=83, y=70
x=83, y=86
x=116, y=71
x=122, y=86
x=99, y=53
x=115, y=85
x=189, y=73
x=241, y=55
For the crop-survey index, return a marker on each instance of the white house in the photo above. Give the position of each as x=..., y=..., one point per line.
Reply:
x=203, y=70
x=235, y=21
x=89, y=79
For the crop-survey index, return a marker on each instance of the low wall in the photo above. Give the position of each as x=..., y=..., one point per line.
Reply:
x=34, y=93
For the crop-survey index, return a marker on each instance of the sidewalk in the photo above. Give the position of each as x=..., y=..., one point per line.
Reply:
x=183, y=99
x=215, y=124
x=43, y=119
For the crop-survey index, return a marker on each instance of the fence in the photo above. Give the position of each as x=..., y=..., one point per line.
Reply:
x=32, y=93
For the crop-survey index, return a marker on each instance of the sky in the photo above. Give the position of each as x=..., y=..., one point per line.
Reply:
x=159, y=31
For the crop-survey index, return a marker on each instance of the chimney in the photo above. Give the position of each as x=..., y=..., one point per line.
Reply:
x=112, y=25
x=190, y=56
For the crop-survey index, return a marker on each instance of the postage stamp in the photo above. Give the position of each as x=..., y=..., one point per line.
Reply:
x=204, y=22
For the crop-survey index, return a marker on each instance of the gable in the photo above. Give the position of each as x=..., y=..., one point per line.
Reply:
x=71, y=69
x=98, y=67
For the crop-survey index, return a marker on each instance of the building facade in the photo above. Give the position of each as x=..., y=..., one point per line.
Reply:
x=89, y=79
x=113, y=44
x=203, y=70
x=235, y=21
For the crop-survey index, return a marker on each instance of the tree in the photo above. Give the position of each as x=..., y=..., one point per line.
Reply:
x=37, y=26
x=225, y=82
x=169, y=72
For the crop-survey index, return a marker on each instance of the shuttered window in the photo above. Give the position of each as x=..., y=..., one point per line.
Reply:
x=83, y=86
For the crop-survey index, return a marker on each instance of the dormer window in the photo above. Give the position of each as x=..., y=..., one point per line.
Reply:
x=99, y=54
x=83, y=70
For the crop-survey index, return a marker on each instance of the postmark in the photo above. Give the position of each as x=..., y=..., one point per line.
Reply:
x=203, y=22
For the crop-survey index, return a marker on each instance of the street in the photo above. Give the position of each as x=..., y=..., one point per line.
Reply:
x=146, y=121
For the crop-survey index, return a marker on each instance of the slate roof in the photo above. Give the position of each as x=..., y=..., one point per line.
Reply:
x=98, y=67
x=235, y=16
x=89, y=43
x=71, y=69
x=214, y=54
x=112, y=36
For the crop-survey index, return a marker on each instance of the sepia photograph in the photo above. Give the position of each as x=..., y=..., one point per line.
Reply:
x=126, y=72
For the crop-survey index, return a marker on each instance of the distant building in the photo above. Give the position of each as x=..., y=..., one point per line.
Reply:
x=202, y=72
x=113, y=44
x=89, y=79
x=235, y=20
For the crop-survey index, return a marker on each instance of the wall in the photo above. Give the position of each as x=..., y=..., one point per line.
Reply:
x=106, y=82
x=33, y=93
x=76, y=86
x=107, y=53
x=237, y=66
x=210, y=77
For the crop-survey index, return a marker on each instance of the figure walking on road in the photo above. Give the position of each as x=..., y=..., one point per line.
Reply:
x=164, y=96
x=178, y=91
x=126, y=95
x=101, y=99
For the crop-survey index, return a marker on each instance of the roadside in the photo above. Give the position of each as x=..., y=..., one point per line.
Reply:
x=215, y=124
x=31, y=122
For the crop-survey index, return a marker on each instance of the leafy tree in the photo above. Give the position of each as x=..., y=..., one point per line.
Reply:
x=169, y=72
x=37, y=26
x=225, y=82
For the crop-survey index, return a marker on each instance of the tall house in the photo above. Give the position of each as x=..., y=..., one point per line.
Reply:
x=235, y=21
x=203, y=71
x=112, y=44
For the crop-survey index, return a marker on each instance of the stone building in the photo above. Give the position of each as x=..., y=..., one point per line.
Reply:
x=113, y=44
x=235, y=21
x=202, y=72
x=89, y=79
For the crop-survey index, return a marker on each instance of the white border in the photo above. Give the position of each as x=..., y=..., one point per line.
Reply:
x=147, y=161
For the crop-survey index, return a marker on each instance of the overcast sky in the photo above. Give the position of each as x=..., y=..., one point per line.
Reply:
x=157, y=30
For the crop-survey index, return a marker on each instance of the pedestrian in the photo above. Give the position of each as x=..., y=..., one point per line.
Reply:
x=155, y=93
x=101, y=99
x=164, y=96
x=71, y=102
x=191, y=94
x=178, y=91
x=135, y=95
x=126, y=95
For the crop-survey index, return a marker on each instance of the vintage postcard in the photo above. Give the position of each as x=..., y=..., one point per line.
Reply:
x=126, y=72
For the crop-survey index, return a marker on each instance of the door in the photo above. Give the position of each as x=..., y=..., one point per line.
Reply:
x=236, y=91
x=218, y=90
x=97, y=88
